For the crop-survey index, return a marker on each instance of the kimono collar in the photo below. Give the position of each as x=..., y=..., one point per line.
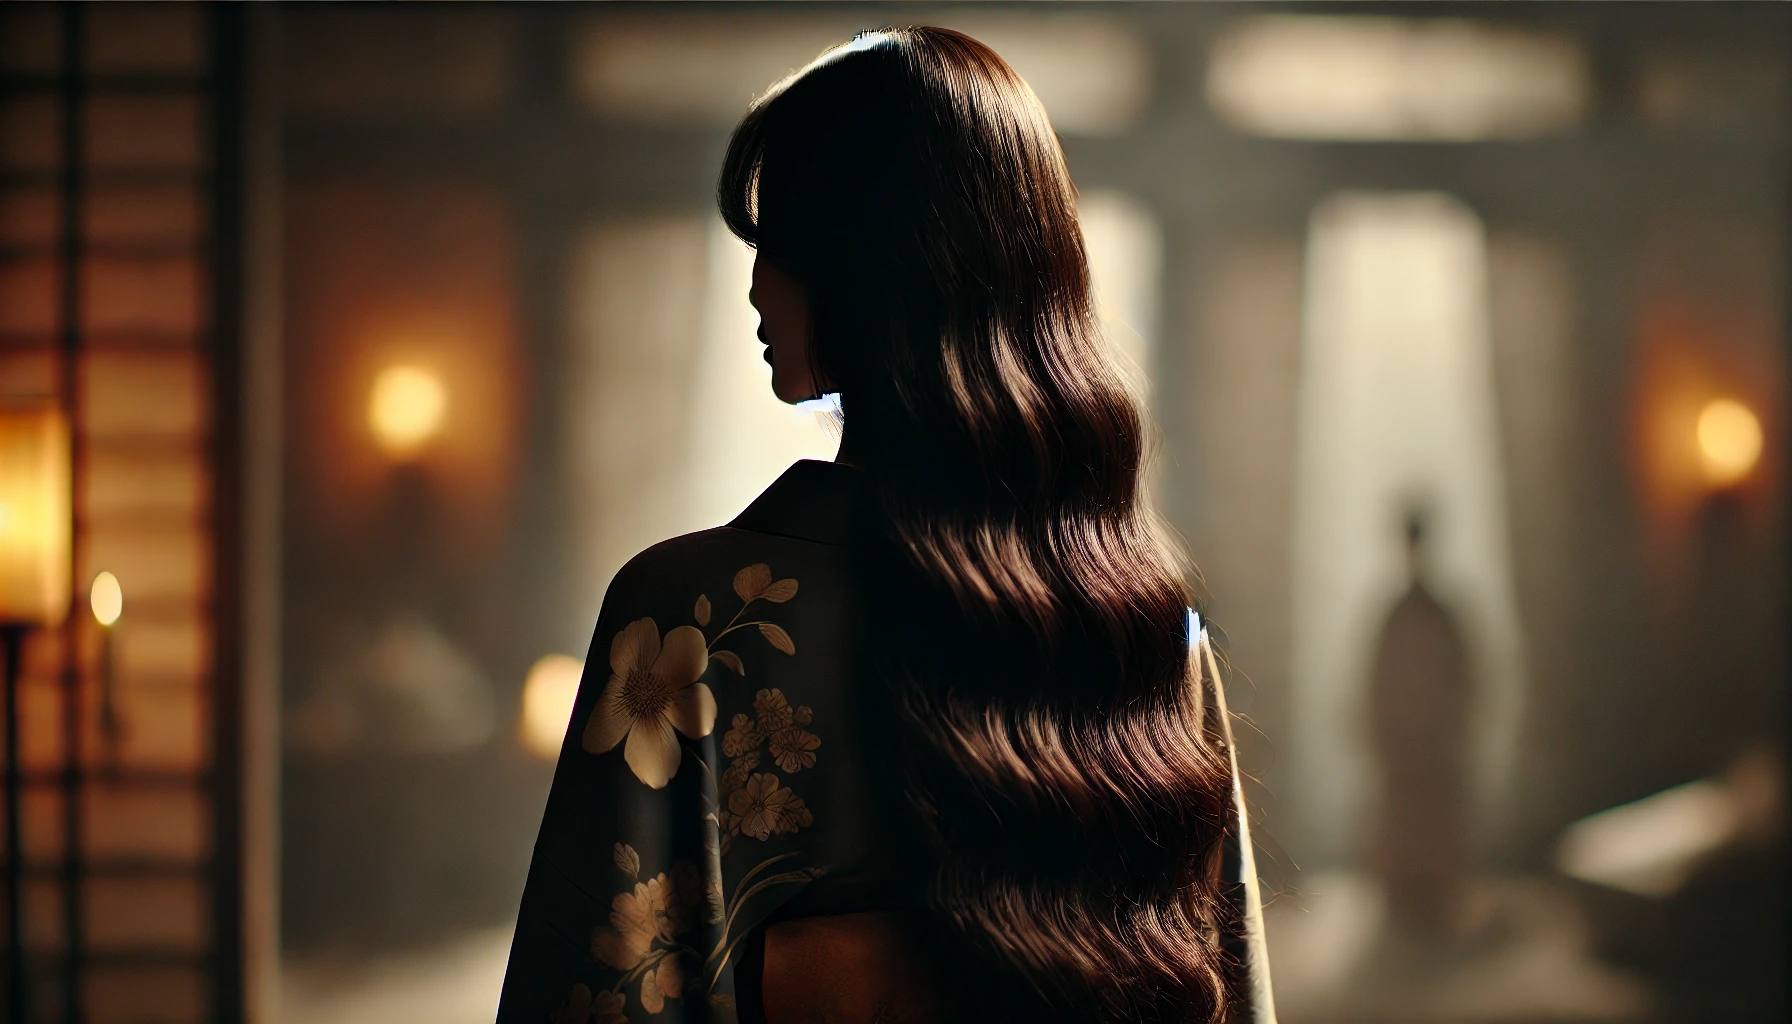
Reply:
x=816, y=501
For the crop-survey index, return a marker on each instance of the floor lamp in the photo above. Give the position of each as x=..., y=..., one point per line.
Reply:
x=34, y=592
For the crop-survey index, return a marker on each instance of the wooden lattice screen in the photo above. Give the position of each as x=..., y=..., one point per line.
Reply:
x=120, y=201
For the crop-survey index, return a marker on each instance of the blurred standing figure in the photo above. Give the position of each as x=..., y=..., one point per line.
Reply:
x=1418, y=710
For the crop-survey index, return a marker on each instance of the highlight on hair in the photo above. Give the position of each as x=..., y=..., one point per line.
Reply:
x=1030, y=615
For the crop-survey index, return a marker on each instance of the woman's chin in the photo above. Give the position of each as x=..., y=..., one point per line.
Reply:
x=792, y=392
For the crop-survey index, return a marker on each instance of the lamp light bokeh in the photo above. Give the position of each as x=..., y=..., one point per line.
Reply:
x=407, y=409
x=106, y=598
x=1729, y=436
x=548, y=695
x=34, y=516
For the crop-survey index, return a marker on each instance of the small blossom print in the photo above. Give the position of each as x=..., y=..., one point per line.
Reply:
x=794, y=748
x=735, y=775
x=741, y=738
x=653, y=911
x=649, y=931
x=795, y=816
x=774, y=711
x=764, y=808
x=631, y=932
x=756, y=804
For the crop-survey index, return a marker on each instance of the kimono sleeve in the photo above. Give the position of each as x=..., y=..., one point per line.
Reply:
x=619, y=904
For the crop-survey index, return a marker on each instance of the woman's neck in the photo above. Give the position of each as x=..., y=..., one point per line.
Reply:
x=850, y=454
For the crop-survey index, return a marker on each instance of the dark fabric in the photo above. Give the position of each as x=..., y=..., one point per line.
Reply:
x=645, y=883
x=749, y=976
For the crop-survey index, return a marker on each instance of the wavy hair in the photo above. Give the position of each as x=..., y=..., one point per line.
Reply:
x=1030, y=612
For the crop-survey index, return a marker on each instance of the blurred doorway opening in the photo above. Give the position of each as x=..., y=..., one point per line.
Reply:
x=1396, y=409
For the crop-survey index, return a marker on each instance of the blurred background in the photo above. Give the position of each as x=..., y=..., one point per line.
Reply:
x=375, y=338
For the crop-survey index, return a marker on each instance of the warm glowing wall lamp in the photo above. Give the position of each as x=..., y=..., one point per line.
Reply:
x=34, y=517
x=1729, y=439
x=407, y=409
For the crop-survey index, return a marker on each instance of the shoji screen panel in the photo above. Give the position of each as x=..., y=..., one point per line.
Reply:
x=112, y=204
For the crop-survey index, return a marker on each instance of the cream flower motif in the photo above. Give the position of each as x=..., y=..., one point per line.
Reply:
x=735, y=775
x=737, y=741
x=655, y=910
x=653, y=690
x=760, y=806
x=634, y=923
x=796, y=816
x=774, y=710
x=794, y=748
x=662, y=982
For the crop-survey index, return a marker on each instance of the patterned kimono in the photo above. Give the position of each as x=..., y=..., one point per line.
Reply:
x=714, y=773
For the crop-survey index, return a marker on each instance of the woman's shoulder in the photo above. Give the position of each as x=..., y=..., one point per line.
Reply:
x=677, y=558
x=724, y=558
x=809, y=519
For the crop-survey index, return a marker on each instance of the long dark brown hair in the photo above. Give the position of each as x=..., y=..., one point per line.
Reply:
x=1030, y=626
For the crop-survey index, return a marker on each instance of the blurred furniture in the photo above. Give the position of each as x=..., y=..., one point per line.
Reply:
x=1687, y=887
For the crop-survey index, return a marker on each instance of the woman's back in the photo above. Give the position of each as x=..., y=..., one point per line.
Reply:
x=720, y=774
x=936, y=713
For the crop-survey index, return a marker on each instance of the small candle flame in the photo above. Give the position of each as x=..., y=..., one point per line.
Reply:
x=107, y=598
